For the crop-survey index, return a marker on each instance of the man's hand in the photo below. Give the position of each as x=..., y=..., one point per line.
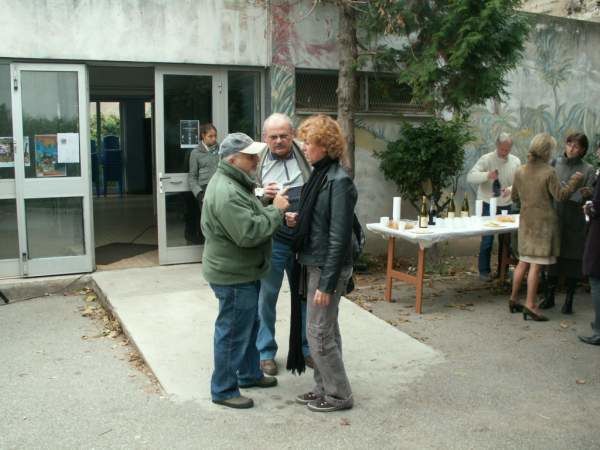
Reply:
x=586, y=192
x=280, y=201
x=321, y=298
x=506, y=192
x=492, y=175
x=271, y=190
x=587, y=208
x=291, y=219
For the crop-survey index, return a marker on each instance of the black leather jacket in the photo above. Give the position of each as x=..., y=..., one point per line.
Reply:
x=329, y=245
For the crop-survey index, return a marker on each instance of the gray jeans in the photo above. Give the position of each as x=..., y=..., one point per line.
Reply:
x=325, y=342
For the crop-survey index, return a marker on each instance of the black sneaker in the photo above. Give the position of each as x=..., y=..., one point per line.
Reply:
x=264, y=382
x=239, y=402
x=322, y=405
x=305, y=399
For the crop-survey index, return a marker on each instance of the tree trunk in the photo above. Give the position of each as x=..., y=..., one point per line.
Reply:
x=347, y=81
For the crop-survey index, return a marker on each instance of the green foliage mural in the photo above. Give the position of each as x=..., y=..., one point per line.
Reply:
x=556, y=89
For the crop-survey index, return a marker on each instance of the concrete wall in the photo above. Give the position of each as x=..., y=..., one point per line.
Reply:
x=177, y=31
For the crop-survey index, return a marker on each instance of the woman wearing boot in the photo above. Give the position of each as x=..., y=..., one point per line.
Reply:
x=535, y=186
x=591, y=259
x=571, y=221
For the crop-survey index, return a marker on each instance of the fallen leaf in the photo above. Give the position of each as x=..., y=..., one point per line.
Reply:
x=344, y=422
x=579, y=381
x=90, y=298
x=565, y=324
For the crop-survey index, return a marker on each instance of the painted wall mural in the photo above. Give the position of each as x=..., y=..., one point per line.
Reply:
x=556, y=89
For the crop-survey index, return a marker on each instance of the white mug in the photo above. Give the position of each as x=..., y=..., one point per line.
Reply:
x=385, y=221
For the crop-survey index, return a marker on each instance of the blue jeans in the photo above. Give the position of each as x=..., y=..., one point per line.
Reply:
x=487, y=242
x=282, y=259
x=236, y=327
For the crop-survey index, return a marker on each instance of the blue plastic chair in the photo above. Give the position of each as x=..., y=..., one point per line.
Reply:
x=112, y=162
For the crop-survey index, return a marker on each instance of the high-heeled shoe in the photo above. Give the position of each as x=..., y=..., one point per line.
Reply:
x=514, y=307
x=527, y=313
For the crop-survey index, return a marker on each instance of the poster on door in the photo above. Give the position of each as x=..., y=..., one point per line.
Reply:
x=189, y=133
x=7, y=152
x=46, y=157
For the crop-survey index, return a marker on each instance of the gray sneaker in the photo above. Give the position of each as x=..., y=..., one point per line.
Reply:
x=485, y=277
x=240, y=402
x=305, y=399
x=269, y=366
x=322, y=405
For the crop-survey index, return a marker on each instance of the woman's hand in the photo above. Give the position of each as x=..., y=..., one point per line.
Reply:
x=321, y=298
x=291, y=219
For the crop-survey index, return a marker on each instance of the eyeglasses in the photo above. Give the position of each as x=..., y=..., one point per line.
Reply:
x=274, y=137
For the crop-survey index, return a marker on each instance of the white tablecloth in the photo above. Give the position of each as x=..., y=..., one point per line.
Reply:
x=452, y=229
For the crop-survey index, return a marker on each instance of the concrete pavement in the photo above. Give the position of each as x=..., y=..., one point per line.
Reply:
x=169, y=313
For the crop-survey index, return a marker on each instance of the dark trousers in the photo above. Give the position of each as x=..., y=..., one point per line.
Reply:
x=487, y=242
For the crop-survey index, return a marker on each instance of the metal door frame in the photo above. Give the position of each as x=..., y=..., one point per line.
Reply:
x=177, y=182
x=81, y=186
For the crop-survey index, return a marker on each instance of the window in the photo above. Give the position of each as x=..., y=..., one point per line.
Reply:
x=316, y=92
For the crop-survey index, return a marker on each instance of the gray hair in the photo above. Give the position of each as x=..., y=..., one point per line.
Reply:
x=503, y=137
x=275, y=117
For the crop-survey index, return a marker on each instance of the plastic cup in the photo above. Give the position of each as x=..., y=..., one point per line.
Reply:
x=385, y=221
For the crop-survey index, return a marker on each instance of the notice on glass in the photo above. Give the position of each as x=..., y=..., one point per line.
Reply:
x=46, y=157
x=68, y=147
x=26, y=151
x=7, y=152
x=189, y=132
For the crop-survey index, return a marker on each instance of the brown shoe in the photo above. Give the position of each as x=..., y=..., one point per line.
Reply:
x=239, y=402
x=269, y=366
x=309, y=362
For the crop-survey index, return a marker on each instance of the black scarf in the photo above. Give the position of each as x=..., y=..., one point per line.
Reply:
x=308, y=198
x=310, y=192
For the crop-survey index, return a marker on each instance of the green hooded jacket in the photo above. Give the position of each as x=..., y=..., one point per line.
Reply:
x=237, y=227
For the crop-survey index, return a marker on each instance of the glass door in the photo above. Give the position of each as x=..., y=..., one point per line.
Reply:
x=9, y=237
x=51, y=169
x=185, y=99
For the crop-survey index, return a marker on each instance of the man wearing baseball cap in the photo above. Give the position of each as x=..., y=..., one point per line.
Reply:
x=237, y=253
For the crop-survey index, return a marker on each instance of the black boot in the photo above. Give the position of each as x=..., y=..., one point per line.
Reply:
x=568, y=306
x=549, y=290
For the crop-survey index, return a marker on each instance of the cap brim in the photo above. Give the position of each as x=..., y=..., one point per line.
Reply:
x=254, y=149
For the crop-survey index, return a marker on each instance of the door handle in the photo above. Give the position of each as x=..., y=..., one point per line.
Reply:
x=176, y=182
x=164, y=178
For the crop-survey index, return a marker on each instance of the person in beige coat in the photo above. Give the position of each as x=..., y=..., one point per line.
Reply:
x=535, y=186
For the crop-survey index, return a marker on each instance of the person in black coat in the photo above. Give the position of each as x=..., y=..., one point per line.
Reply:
x=591, y=260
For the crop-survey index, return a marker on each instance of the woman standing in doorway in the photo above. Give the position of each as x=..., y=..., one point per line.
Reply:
x=203, y=164
x=324, y=245
x=536, y=186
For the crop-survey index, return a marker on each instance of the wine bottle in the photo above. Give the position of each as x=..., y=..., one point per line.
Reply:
x=496, y=188
x=464, y=211
x=423, y=214
x=432, y=212
x=451, y=207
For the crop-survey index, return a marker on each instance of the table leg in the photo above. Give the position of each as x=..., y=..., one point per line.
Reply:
x=390, y=267
x=420, y=277
x=504, y=256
